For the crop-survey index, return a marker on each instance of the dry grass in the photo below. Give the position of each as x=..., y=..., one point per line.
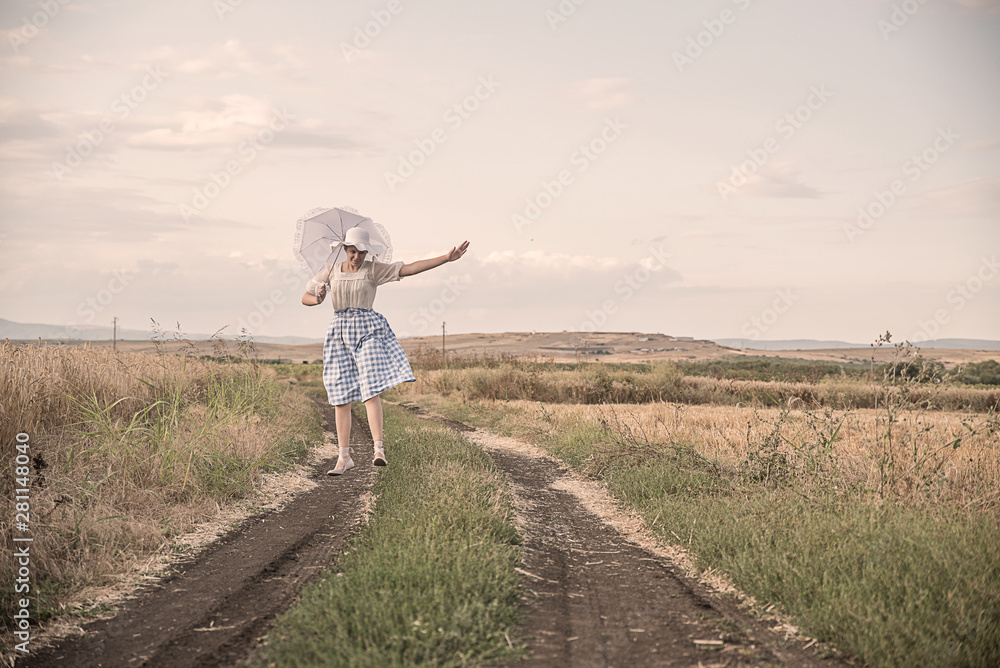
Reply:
x=129, y=450
x=894, y=430
x=900, y=450
x=922, y=448
x=665, y=382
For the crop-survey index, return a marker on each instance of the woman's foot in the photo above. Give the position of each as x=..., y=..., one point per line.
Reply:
x=342, y=466
x=344, y=462
x=380, y=459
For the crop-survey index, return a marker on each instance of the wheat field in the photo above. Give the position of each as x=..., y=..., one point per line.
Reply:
x=913, y=441
x=923, y=448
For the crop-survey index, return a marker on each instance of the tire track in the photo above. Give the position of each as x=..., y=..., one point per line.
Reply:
x=598, y=596
x=215, y=608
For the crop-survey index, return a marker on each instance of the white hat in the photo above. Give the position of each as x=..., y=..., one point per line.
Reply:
x=356, y=237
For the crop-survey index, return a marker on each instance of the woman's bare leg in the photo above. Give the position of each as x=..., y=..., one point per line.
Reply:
x=343, y=414
x=344, y=461
x=374, y=409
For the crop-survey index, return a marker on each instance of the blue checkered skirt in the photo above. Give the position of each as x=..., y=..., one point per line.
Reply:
x=362, y=357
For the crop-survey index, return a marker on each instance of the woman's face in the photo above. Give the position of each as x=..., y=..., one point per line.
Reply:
x=355, y=256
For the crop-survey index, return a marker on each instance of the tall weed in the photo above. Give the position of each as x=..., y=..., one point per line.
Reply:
x=130, y=449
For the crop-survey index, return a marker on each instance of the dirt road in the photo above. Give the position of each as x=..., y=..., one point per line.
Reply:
x=596, y=598
x=214, y=610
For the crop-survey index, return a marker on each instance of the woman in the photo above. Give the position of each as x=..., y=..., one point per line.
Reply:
x=361, y=356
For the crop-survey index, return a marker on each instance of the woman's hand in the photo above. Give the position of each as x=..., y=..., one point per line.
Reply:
x=457, y=251
x=423, y=265
x=310, y=299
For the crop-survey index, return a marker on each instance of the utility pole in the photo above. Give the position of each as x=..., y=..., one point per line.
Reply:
x=444, y=360
x=114, y=335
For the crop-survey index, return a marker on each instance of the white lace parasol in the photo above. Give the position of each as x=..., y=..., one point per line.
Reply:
x=318, y=228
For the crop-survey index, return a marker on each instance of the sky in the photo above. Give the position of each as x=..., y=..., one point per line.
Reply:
x=756, y=169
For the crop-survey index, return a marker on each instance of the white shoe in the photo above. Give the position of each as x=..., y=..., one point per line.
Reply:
x=342, y=466
x=380, y=459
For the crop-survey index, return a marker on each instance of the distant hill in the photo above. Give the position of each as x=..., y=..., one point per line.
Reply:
x=28, y=331
x=31, y=331
x=595, y=347
x=786, y=344
x=810, y=344
x=961, y=344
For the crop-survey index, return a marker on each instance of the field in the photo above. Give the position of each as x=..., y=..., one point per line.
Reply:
x=129, y=450
x=133, y=460
x=616, y=347
x=858, y=502
x=865, y=504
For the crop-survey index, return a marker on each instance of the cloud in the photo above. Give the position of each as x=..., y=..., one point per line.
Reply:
x=780, y=181
x=26, y=63
x=227, y=60
x=975, y=198
x=476, y=37
x=508, y=276
x=542, y=286
x=229, y=121
x=980, y=144
x=543, y=262
x=19, y=121
x=35, y=134
x=204, y=122
x=991, y=5
x=67, y=216
x=600, y=93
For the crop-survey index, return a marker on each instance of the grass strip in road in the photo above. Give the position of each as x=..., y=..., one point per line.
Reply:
x=429, y=579
x=896, y=585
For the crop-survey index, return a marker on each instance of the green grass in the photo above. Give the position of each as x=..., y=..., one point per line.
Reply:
x=895, y=585
x=762, y=368
x=430, y=579
x=773, y=369
x=688, y=384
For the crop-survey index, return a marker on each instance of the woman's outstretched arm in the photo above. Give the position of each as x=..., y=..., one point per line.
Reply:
x=423, y=265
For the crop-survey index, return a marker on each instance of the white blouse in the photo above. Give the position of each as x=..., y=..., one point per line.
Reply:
x=354, y=289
